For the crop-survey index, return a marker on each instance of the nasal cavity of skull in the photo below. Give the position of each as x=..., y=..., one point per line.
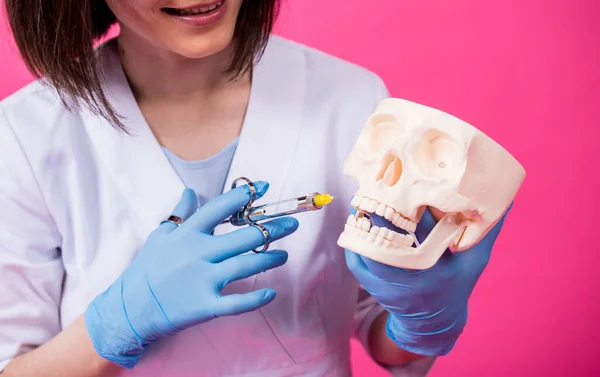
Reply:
x=390, y=170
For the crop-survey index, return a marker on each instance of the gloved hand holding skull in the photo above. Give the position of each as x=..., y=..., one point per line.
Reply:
x=413, y=161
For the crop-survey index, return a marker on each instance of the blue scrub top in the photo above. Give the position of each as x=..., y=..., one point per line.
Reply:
x=206, y=177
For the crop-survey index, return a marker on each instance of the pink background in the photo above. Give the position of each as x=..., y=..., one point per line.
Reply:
x=527, y=73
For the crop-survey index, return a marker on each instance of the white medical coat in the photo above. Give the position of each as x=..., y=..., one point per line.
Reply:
x=78, y=199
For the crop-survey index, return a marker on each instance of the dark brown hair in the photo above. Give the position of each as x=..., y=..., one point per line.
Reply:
x=56, y=41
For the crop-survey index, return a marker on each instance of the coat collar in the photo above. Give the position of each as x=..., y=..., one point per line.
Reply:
x=141, y=170
x=272, y=125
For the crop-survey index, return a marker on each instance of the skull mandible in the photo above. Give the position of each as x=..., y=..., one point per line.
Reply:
x=409, y=157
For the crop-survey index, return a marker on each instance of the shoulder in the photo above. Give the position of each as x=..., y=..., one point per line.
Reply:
x=35, y=108
x=38, y=108
x=339, y=95
x=328, y=74
x=36, y=125
x=36, y=93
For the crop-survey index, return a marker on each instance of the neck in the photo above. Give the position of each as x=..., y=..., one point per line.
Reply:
x=191, y=105
x=156, y=74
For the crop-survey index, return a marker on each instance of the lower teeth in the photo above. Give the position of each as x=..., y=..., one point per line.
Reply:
x=367, y=218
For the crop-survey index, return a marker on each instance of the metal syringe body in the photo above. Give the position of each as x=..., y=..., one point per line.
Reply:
x=273, y=210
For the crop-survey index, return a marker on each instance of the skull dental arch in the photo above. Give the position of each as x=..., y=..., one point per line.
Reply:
x=409, y=157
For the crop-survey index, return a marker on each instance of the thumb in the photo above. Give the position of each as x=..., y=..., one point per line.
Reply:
x=425, y=226
x=476, y=257
x=187, y=206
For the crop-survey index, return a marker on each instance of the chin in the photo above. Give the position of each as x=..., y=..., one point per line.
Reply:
x=191, y=29
x=202, y=46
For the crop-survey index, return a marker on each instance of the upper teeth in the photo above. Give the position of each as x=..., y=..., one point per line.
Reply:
x=199, y=10
x=381, y=209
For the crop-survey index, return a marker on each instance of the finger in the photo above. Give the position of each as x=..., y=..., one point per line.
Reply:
x=352, y=210
x=187, y=205
x=235, y=304
x=223, y=206
x=474, y=259
x=249, y=238
x=358, y=267
x=425, y=226
x=244, y=266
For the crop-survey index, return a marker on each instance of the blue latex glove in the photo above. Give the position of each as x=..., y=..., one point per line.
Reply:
x=176, y=279
x=428, y=308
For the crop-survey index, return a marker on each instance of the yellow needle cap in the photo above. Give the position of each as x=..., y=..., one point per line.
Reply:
x=323, y=199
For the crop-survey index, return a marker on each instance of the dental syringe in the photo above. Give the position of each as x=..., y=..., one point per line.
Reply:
x=249, y=215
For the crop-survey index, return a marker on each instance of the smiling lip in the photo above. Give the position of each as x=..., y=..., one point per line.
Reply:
x=198, y=19
x=200, y=5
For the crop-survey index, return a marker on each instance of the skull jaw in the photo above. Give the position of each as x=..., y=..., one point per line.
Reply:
x=420, y=258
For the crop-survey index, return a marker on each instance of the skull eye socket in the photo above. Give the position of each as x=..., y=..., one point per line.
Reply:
x=437, y=155
x=381, y=132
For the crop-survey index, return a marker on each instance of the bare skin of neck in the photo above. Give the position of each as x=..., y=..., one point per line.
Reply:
x=191, y=106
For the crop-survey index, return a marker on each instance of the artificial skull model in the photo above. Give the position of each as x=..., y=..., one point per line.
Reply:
x=409, y=157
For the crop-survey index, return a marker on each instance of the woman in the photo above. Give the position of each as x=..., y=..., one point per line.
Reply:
x=95, y=156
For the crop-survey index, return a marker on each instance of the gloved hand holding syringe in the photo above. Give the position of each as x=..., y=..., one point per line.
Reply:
x=176, y=279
